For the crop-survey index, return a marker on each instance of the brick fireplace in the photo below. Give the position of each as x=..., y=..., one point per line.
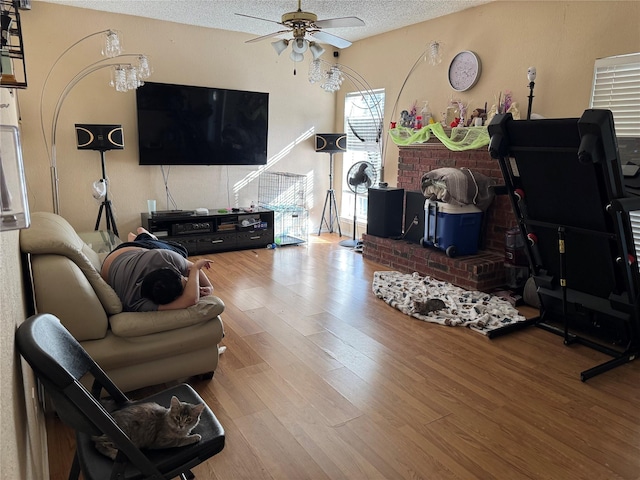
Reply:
x=484, y=271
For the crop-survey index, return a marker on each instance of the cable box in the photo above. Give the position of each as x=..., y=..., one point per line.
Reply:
x=172, y=213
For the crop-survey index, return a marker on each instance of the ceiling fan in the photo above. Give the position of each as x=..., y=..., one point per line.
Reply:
x=307, y=32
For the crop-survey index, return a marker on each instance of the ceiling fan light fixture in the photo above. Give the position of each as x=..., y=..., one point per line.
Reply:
x=300, y=45
x=302, y=27
x=280, y=45
x=296, y=57
x=316, y=50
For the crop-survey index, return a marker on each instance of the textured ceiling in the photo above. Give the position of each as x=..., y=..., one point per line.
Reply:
x=379, y=15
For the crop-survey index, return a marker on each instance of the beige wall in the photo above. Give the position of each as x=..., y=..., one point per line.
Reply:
x=179, y=54
x=22, y=441
x=562, y=39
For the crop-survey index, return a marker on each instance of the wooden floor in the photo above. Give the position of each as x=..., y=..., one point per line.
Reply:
x=321, y=380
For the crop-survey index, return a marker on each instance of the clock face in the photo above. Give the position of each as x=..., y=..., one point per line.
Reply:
x=464, y=71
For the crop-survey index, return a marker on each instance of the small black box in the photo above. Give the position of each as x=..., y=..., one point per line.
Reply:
x=384, y=212
x=414, y=216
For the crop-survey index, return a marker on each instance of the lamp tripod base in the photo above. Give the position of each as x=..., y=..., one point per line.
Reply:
x=108, y=215
x=106, y=205
x=330, y=201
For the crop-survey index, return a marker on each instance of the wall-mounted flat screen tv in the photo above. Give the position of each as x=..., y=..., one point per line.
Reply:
x=190, y=125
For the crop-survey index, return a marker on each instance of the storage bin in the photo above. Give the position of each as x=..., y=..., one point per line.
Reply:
x=451, y=228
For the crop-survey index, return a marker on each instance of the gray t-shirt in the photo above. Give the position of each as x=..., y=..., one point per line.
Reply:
x=129, y=269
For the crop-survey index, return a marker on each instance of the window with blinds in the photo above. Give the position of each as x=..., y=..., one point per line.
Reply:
x=616, y=87
x=363, y=117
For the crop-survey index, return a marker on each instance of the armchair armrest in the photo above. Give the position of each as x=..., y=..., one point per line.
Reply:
x=137, y=324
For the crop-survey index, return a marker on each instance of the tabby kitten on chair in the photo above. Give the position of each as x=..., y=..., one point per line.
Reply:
x=149, y=425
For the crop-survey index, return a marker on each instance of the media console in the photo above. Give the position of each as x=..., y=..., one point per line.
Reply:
x=216, y=231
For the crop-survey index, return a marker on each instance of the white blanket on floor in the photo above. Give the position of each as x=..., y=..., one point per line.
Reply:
x=479, y=310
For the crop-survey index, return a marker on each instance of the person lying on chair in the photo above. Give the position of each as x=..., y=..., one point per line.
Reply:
x=150, y=274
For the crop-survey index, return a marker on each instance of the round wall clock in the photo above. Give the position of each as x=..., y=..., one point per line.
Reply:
x=464, y=71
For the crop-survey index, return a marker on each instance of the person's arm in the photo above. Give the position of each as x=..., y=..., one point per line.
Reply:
x=206, y=288
x=191, y=293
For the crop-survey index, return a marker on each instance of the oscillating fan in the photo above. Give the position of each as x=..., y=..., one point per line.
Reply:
x=360, y=177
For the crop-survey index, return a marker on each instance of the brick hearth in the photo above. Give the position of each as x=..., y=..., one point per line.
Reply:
x=484, y=271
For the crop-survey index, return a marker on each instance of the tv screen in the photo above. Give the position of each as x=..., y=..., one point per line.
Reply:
x=189, y=125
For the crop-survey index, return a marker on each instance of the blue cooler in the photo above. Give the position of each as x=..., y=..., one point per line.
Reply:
x=451, y=228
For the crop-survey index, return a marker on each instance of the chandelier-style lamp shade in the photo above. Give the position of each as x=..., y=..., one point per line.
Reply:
x=144, y=69
x=434, y=53
x=112, y=44
x=280, y=45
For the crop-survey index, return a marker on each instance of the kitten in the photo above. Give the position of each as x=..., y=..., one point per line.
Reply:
x=431, y=305
x=149, y=425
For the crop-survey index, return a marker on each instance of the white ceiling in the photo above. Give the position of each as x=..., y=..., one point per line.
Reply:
x=379, y=15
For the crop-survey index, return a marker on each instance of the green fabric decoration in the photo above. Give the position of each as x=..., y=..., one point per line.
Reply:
x=462, y=138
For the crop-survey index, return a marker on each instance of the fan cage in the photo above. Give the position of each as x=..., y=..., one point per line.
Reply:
x=370, y=170
x=285, y=194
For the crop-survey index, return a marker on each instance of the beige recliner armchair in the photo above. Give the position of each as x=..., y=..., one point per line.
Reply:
x=136, y=349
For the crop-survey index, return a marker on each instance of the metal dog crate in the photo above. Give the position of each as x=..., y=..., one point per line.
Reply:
x=285, y=194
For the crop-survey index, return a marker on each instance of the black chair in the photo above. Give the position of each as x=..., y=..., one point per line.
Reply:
x=59, y=362
x=565, y=183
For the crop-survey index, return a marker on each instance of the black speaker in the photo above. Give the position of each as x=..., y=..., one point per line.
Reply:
x=331, y=142
x=384, y=212
x=99, y=137
x=414, y=216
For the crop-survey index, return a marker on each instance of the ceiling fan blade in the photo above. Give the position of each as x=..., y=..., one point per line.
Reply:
x=324, y=37
x=264, y=37
x=258, y=18
x=340, y=22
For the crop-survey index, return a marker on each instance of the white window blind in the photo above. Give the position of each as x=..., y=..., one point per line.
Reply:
x=616, y=87
x=363, y=121
x=363, y=117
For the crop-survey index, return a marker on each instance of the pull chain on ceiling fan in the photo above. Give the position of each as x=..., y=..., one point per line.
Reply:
x=306, y=30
